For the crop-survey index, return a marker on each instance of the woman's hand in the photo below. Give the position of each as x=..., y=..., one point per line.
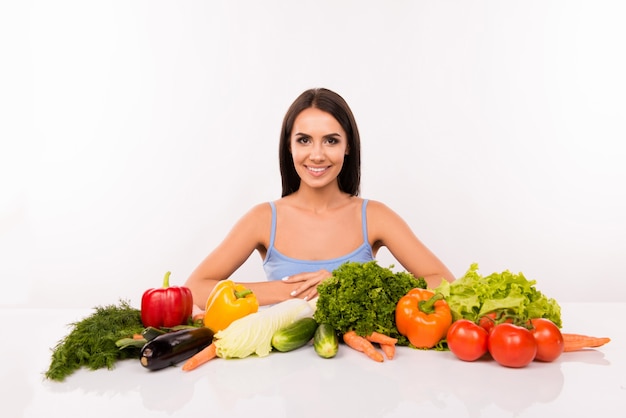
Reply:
x=306, y=283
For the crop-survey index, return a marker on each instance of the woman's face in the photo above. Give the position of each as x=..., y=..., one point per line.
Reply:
x=318, y=145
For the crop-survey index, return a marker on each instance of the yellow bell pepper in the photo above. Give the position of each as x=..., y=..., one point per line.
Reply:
x=227, y=302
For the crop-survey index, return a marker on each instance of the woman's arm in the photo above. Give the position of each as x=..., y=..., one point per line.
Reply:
x=249, y=233
x=386, y=228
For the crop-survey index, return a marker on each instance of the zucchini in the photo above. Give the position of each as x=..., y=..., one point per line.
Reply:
x=150, y=333
x=173, y=347
x=294, y=335
x=325, y=341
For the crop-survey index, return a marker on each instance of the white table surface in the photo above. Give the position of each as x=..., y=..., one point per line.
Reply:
x=301, y=384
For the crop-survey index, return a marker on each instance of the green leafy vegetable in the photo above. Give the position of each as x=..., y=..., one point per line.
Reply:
x=92, y=341
x=363, y=297
x=473, y=296
x=252, y=334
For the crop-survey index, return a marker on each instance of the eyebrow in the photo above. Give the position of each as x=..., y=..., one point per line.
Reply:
x=331, y=135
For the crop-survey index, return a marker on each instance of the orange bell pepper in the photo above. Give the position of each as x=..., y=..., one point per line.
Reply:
x=423, y=317
x=227, y=302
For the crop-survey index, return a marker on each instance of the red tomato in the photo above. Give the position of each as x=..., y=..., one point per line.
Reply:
x=487, y=322
x=511, y=345
x=467, y=340
x=549, y=339
x=491, y=319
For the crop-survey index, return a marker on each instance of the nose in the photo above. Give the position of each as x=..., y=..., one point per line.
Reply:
x=317, y=152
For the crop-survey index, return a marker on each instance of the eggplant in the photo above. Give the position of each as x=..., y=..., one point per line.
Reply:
x=173, y=347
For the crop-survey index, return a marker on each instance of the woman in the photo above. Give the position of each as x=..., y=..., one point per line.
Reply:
x=319, y=222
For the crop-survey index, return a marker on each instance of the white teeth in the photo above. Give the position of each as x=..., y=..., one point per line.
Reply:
x=316, y=170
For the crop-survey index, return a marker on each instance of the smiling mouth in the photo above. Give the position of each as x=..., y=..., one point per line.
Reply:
x=317, y=170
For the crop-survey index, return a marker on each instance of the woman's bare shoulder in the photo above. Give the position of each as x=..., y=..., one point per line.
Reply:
x=255, y=224
x=382, y=220
x=259, y=212
x=378, y=208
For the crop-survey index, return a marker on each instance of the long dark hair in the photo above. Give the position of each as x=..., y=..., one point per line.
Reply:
x=328, y=101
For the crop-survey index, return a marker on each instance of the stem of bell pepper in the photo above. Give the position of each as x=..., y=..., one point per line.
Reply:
x=428, y=306
x=242, y=293
x=166, y=280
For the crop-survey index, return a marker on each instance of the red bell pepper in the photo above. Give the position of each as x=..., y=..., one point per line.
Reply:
x=166, y=306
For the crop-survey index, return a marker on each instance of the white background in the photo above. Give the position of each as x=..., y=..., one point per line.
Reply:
x=135, y=133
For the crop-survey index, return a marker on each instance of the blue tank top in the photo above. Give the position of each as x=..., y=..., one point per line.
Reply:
x=277, y=265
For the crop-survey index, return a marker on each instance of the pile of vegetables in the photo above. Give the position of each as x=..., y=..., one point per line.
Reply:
x=512, y=343
x=161, y=333
x=253, y=334
x=363, y=305
x=362, y=297
x=505, y=317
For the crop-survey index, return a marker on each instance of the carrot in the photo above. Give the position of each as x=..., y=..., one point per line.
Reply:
x=389, y=350
x=197, y=314
x=201, y=357
x=387, y=343
x=138, y=337
x=576, y=342
x=377, y=337
x=355, y=341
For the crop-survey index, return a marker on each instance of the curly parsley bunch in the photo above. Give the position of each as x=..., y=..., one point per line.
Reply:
x=363, y=297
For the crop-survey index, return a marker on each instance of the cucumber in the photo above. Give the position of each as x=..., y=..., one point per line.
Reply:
x=325, y=341
x=294, y=335
x=173, y=347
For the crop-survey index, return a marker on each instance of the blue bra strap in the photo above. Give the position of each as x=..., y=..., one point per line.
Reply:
x=364, y=221
x=273, y=231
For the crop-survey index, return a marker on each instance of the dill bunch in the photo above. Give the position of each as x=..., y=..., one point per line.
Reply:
x=91, y=342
